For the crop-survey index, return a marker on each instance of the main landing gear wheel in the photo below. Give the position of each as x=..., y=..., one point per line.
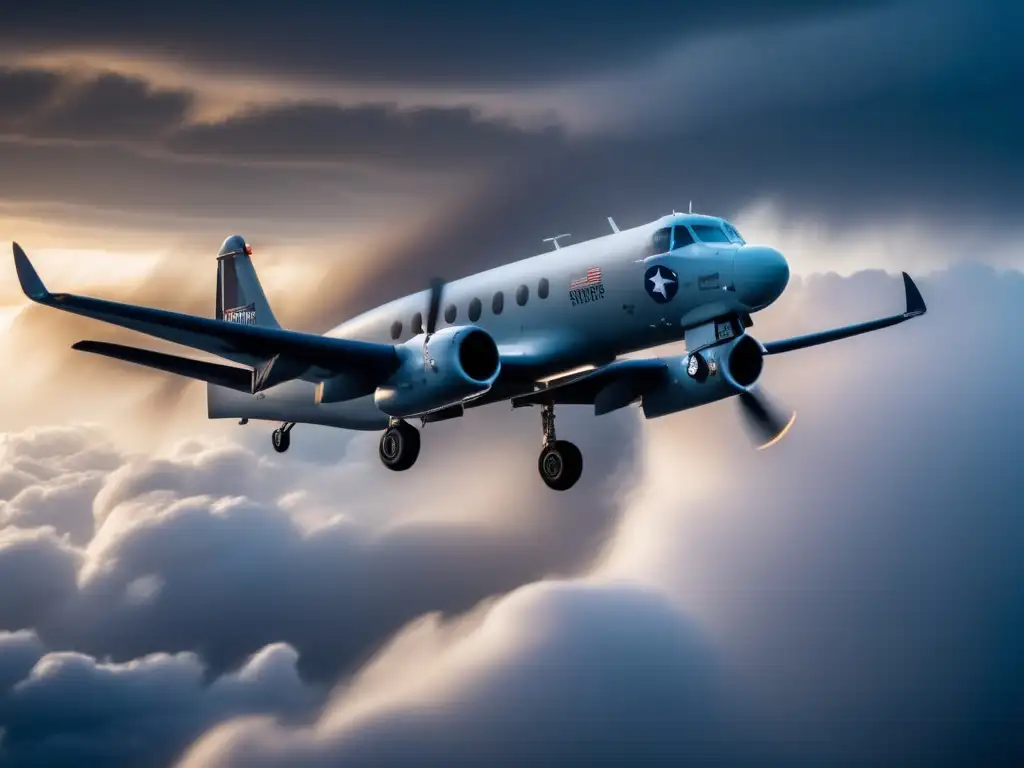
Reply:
x=281, y=437
x=399, y=446
x=560, y=463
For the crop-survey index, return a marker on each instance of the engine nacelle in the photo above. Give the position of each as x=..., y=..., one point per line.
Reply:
x=710, y=374
x=453, y=364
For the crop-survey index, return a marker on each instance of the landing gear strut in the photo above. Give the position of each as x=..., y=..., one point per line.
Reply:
x=399, y=446
x=281, y=437
x=560, y=462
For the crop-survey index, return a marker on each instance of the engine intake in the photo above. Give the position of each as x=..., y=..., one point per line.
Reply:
x=440, y=371
x=478, y=355
x=745, y=361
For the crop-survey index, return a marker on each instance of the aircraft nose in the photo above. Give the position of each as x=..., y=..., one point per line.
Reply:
x=761, y=275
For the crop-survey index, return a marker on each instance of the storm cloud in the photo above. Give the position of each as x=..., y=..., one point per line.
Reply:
x=400, y=42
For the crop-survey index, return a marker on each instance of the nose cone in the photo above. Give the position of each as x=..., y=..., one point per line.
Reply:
x=761, y=275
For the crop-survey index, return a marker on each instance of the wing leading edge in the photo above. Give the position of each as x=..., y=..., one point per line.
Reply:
x=622, y=382
x=915, y=308
x=277, y=354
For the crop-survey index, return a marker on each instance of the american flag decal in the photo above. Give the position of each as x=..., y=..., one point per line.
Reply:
x=593, y=277
x=586, y=289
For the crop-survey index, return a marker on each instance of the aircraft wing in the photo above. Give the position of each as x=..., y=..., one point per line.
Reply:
x=915, y=307
x=608, y=388
x=277, y=354
x=229, y=376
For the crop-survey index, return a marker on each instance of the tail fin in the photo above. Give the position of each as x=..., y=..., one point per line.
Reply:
x=240, y=297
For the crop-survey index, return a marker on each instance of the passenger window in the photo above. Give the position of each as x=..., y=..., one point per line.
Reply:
x=710, y=233
x=417, y=324
x=681, y=237
x=522, y=295
x=450, y=313
x=474, y=310
x=660, y=242
x=396, y=329
x=542, y=288
x=498, y=303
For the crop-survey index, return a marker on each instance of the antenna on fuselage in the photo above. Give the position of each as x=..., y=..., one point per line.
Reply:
x=691, y=207
x=611, y=221
x=555, y=240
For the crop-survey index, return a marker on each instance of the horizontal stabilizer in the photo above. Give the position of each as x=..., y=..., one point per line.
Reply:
x=915, y=307
x=279, y=354
x=240, y=379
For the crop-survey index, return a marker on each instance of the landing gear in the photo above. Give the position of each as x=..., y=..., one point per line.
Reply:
x=399, y=446
x=697, y=367
x=560, y=463
x=281, y=437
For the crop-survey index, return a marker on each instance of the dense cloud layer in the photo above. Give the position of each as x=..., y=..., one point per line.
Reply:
x=857, y=583
x=65, y=708
x=162, y=554
x=797, y=591
x=892, y=110
x=398, y=42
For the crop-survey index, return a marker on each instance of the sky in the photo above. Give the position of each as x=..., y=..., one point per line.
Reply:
x=179, y=594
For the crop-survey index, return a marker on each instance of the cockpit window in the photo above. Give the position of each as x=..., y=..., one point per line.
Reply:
x=660, y=243
x=710, y=233
x=681, y=237
x=735, y=236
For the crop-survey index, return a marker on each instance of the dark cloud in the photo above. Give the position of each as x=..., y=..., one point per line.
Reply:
x=113, y=106
x=370, y=135
x=176, y=565
x=556, y=674
x=399, y=42
x=847, y=120
x=40, y=104
x=67, y=708
x=23, y=91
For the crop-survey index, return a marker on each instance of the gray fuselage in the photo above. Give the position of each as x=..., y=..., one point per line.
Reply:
x=554, y=312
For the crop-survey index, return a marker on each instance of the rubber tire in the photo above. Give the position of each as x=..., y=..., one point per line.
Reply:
x=408, y=447
x=703, y=369
x=571, y=465
x=281, y=440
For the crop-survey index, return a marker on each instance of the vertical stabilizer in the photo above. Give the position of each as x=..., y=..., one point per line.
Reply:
x=240, y=297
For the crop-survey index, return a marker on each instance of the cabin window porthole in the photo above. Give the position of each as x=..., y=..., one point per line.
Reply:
x=417, y=324
x=522, y=295
x=450, y=313
x=542, y=288
x=396, y=329
x=475, y=309
x=498, y=303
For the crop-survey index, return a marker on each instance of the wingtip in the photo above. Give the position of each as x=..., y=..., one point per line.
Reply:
x=27, y=276
x=915, y=302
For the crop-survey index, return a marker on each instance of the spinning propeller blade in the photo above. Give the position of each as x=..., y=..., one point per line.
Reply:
x=766, y=423
x=436, y=289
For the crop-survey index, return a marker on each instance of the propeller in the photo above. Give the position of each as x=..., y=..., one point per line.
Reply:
x=765, y=421
x=436, y=290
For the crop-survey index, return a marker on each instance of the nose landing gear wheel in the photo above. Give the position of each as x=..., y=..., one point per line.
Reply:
x=560, y=465
x=399, y=446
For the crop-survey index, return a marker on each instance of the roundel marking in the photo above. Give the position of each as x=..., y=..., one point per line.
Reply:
x=661, y=283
